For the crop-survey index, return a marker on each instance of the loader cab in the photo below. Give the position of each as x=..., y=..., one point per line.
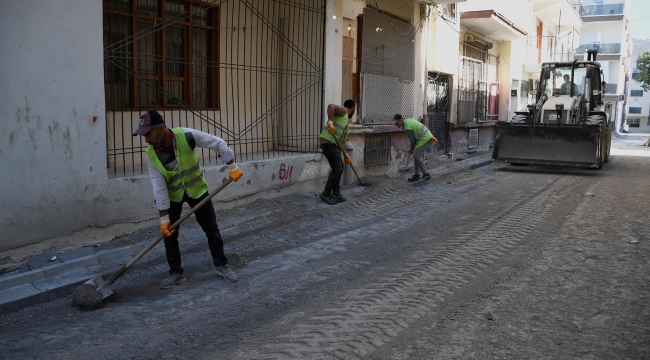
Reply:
x=557, y=81
x=585, y=78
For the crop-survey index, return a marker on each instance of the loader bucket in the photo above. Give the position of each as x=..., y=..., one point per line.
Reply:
x=567, y=145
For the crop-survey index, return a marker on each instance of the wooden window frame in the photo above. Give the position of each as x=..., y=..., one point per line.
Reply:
x=214, y=15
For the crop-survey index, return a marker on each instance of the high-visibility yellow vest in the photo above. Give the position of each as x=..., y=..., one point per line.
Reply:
x=189, y=177
x=422, y=134
x=340, y=130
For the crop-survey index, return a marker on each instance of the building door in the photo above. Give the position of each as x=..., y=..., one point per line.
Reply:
x=438, y=108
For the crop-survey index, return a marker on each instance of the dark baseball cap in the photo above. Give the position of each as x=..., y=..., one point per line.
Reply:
x=147, y=121
x=397, y=117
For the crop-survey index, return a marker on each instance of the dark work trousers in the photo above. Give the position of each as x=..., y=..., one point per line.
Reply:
x=333, y=154
x=206, y=217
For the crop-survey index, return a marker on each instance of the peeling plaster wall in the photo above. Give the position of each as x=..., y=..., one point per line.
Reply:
x=459, y=140
x=53, y=148
x=53, y=151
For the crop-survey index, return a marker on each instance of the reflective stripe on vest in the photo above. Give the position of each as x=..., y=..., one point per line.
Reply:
x=422, y=134
x=340, y=129
x=189, y=178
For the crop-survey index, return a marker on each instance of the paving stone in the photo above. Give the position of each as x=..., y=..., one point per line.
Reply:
x=10, y=281
x=76, y=253
x=72, y=265
x=109, y=256
x=21, y=296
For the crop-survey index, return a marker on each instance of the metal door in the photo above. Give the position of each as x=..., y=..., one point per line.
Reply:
x=438, y=109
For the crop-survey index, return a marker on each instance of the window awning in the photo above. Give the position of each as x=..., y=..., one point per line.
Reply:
x=492, y=24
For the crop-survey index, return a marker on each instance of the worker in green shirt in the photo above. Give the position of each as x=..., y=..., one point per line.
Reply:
x=420, y=138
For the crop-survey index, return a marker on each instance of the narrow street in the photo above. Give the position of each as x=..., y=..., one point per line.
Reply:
x=501, y=262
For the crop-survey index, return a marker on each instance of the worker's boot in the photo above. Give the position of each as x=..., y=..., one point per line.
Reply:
x=173, y=279
x=414, y=178
x=339, y=198
x=328, y=199
x=226, y=272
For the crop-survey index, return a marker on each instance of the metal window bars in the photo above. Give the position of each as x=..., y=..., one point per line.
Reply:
x=248, y=71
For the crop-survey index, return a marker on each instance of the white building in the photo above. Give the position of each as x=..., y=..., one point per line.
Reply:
x=607, y=29
x=638, y=105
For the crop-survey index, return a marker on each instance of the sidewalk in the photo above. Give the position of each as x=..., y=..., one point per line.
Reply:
x=59, y=280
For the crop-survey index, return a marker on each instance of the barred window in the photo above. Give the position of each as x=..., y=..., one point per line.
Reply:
x=636, y=93
x=160, y=53
x=633, y=122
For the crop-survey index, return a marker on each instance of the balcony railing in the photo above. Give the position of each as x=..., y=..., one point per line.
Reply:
x=551, y=49
x=605, y=9
x=611, y=48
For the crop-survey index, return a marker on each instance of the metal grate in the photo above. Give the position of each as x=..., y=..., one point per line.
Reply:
x=388, y=46
x=438, y=108
x=248, y=71
x=384, y=96
x=473, y=138
x=377, y=150
x=402, y=9
x=472, y=91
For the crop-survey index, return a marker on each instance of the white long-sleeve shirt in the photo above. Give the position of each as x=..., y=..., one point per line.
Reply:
x=201, y=139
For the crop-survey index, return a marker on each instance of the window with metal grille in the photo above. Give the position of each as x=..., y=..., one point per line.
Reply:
x=377, y=150
x=257, y=85
x=633, y=122
x=635, y=110
x=147, y=64
x=637, y=93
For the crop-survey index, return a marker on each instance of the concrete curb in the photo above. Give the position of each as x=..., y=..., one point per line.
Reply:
x=60, y=280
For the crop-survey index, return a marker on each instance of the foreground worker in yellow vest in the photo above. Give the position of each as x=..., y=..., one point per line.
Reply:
x=177, y=177
x=335, y=128
x=420, y=138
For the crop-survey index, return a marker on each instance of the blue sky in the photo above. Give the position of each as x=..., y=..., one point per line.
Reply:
x=640, y=19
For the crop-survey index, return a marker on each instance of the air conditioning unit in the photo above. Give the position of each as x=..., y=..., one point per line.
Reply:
x=470, y=38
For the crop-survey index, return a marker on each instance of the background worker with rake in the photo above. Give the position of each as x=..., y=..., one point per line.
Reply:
x=177, y=177
x=420, y=138
x=335, y=130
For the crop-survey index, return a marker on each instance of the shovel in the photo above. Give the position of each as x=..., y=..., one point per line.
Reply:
x=405, y=168
x=345, y=154
x=91, y=294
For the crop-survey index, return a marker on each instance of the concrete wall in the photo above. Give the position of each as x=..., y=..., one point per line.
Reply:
x=54, y=151
x=459, y=140
x=52, y=109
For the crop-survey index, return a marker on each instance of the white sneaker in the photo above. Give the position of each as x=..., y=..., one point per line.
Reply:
x=173, y=279
x=227, y=273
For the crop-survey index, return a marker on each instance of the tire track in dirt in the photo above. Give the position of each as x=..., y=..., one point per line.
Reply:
x=368, y=317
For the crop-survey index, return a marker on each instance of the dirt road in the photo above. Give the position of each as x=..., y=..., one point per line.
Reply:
x=502, y=262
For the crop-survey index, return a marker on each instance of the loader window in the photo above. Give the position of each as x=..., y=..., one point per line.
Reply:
x=561, y=81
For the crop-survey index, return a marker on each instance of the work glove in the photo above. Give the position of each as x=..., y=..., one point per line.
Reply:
x=330, y=127
x=164, y=226
x=348, y=160
x=235, y=172
x=434, y=141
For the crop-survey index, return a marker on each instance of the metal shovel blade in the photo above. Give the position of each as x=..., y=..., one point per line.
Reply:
x=99, y=281
x=90, y=294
